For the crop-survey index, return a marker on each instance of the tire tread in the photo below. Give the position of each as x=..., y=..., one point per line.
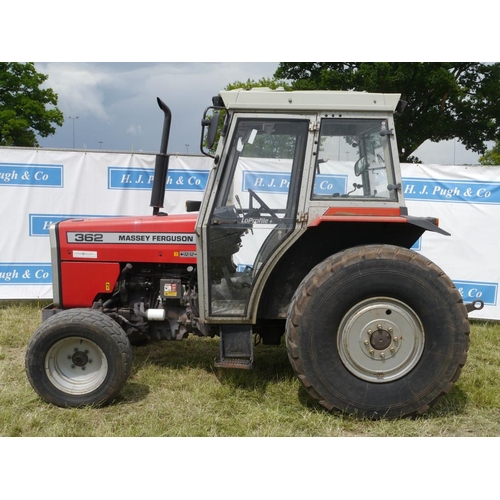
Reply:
x=351, y=257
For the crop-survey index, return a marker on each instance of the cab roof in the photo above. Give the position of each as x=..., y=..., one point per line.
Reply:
x=263, y=98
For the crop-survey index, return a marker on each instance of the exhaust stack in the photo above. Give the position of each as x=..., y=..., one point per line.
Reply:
x=161, y=163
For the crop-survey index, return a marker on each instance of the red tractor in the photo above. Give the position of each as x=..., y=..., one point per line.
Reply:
x=302, y=232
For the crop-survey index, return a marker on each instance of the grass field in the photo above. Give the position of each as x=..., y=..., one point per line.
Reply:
x=174, y=390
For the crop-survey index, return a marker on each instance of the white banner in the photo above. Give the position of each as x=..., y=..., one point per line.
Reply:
x=466, y=199
x=38, y=187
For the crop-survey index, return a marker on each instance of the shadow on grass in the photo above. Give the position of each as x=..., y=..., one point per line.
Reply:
x=133, y=392
x=270, y=364
x=453, y=404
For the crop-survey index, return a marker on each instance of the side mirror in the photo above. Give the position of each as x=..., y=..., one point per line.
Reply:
x=212, y=129
x=401, y=106
x=360, y=166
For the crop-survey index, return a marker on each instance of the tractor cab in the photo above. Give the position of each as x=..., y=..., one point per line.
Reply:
x=278, y=167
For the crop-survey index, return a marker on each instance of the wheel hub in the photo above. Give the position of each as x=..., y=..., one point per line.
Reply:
x=80, y=358
x=380, y=339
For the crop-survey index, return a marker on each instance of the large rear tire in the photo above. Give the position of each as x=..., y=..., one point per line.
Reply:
x=378, y=331
x=78, y=357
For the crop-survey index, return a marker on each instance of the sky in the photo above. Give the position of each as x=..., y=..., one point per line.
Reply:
x=113, y=106
x=185, y=54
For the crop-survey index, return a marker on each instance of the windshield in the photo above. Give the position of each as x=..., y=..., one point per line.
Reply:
x=354, y=160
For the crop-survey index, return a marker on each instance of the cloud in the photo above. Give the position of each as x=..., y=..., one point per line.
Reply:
x=134, y=130
x=115, y=101
x=80, y=88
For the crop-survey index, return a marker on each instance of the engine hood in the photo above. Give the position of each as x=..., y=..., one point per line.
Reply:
x=153, y=239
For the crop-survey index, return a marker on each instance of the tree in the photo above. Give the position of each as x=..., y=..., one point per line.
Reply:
x=263, y=82
x=26, y=109
x=445, y=100
x=492, y=156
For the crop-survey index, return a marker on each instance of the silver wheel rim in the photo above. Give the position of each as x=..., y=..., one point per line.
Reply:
x=380, y=340
x=76, y=365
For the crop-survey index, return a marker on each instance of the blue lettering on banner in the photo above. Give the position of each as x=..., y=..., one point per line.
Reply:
x=474, y=290
x=328, y=184
x=266, y=182
x=31, y=174
x=25, y=274
x=451, y=190
x=142, y=178
x=39, y=223
x=279, y=183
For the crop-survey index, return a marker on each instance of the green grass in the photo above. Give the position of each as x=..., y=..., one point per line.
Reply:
x=174, y=390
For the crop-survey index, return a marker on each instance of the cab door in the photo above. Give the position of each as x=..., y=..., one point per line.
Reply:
x=252, y=210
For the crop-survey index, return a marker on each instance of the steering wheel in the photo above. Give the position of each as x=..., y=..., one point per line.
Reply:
x=259, y=200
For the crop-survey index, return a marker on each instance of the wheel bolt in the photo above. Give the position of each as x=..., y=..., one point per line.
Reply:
x=83, y=367
x=382, y=354
x=371, y=351
x=392, y=349
x=379, y=326
x=366, y=342
x=72, y=366
x=395, y=339
x=369, y=332
x=389, y=330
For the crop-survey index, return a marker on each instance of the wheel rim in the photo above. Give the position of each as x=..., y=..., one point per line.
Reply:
x=380, y=340
x=76, y=365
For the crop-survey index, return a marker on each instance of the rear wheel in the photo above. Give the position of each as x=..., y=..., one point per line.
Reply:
x=78, y=357
x=377, y=331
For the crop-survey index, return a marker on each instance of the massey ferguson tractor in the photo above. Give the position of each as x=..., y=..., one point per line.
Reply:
x=302, y=232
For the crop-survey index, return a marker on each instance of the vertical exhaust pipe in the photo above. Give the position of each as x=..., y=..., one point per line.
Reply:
x=161, y=163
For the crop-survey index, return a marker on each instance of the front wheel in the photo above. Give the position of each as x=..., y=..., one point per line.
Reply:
x=377, y=331
x=78, y=357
